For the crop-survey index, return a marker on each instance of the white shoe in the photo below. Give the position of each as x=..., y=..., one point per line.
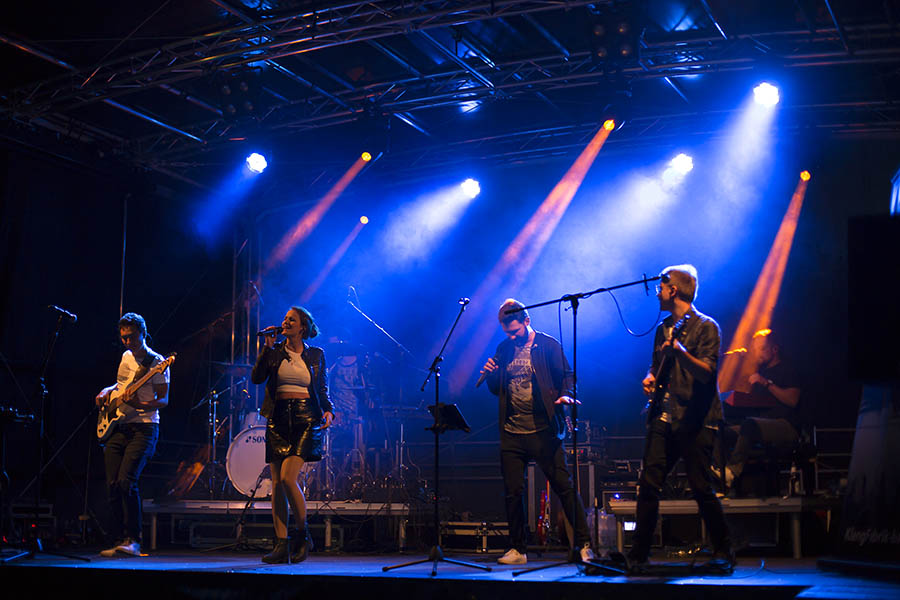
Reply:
x=129, y=547
x=587, y=555
x=513, y=557
x=110, y=552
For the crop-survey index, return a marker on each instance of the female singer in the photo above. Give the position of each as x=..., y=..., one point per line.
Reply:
x=298, y=410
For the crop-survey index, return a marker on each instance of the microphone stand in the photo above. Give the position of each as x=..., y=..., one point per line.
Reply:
x=390, y=337
x=595, y=567
x=446, y=417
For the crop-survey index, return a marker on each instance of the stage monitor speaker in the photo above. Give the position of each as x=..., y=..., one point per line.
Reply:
x=873, y=289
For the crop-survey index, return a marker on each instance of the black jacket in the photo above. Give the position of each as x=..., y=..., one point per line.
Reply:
x=552, y=378
x=266, y=370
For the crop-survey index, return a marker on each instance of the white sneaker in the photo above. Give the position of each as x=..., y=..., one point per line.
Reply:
x=587, y=555
x=110, y=552
x=130, y=547
x=513, y=557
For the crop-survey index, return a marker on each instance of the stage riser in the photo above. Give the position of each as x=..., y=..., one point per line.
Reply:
x=224, y=585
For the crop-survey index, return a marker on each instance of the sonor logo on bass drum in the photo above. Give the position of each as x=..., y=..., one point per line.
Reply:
x=255, y=439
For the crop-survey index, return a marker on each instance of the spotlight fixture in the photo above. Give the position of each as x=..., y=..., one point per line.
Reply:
x=470, y=188
x=805, y=176
x=766, y=94
x=366, y=156
x=682, y=163
x=257, y=162
x=609, y=124
x=364, y=220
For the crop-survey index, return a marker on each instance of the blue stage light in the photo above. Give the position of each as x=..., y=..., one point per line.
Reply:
x=470, y=188
x=766, y=94
x=682, y=163
x=257, y=162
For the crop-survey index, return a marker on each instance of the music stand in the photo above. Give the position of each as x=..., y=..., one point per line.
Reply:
x=446, y=418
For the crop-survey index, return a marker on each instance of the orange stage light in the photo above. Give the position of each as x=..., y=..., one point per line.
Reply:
x=609, y=124
x=331, y=263
x=757, y=317
x=366, y=156
x=805, y=176
x=311, y=219
x=517, y=260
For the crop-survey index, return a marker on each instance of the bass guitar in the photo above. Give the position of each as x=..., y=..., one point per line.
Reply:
x=663, y=371
x=117, y=404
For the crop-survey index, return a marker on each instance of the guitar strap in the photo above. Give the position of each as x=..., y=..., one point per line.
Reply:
x=144, y=367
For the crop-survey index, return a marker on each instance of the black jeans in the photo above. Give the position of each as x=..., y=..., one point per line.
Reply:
x=663, y=447
x=516, y=451
x=126, y=454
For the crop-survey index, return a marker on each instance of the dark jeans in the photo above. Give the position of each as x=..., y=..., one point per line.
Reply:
x=125, y=455
x=516, y=451
x=776, y=434
x=664, y=446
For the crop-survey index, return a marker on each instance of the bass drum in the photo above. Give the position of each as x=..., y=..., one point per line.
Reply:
x=245, y=463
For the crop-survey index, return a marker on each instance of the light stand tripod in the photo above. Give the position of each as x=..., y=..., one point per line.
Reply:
x=595, y=567
x=446, y=417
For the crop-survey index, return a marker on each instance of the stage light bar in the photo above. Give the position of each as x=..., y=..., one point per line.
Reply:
x=766, y=94
x=257, y=162
x=470, y=188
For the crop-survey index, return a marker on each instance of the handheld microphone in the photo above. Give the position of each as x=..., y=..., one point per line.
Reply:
x=70, y=317
x=269, y=331
x=484, y=375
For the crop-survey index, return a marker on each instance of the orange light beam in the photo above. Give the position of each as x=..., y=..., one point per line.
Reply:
x=332, y=261
x=311, y=219
x=757, y=315
x=519, y=258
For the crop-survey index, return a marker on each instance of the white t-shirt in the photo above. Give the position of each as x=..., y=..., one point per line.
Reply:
x=293, y=375
x=128, y=366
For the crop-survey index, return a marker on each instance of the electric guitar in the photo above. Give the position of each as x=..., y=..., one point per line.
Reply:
x=117, y=405
x=661, y=386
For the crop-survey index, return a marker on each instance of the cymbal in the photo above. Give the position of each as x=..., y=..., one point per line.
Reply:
x=232, y=368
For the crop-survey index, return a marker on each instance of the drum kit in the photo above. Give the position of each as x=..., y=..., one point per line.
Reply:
x=364, y=448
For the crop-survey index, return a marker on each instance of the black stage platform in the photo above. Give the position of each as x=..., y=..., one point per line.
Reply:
x=176, y=574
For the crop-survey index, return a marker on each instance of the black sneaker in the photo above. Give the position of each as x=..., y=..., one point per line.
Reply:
x=722, y=561
x=636, y=565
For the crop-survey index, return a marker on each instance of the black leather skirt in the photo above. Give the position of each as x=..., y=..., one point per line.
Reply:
x=295, y=429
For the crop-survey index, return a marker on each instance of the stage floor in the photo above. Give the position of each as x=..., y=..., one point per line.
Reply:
x=193, y=574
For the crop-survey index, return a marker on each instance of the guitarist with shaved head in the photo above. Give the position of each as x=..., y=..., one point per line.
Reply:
x=684, y=410
x=133, y=436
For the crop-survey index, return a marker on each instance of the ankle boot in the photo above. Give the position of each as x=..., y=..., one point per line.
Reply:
x=279, y=553
x=301, y=544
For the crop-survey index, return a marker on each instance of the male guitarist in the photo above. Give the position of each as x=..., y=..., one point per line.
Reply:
x=684, y=411
x=133, y=440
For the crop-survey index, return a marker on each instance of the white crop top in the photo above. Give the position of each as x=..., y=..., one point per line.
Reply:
x=293, y=375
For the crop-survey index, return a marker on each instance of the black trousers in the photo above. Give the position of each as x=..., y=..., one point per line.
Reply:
x=516, y=451
x=663, y=447
x=125, y=455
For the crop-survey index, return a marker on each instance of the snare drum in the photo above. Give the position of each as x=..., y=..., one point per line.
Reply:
x=246, y=461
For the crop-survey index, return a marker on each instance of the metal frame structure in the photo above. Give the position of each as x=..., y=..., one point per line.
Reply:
x=446, y=53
